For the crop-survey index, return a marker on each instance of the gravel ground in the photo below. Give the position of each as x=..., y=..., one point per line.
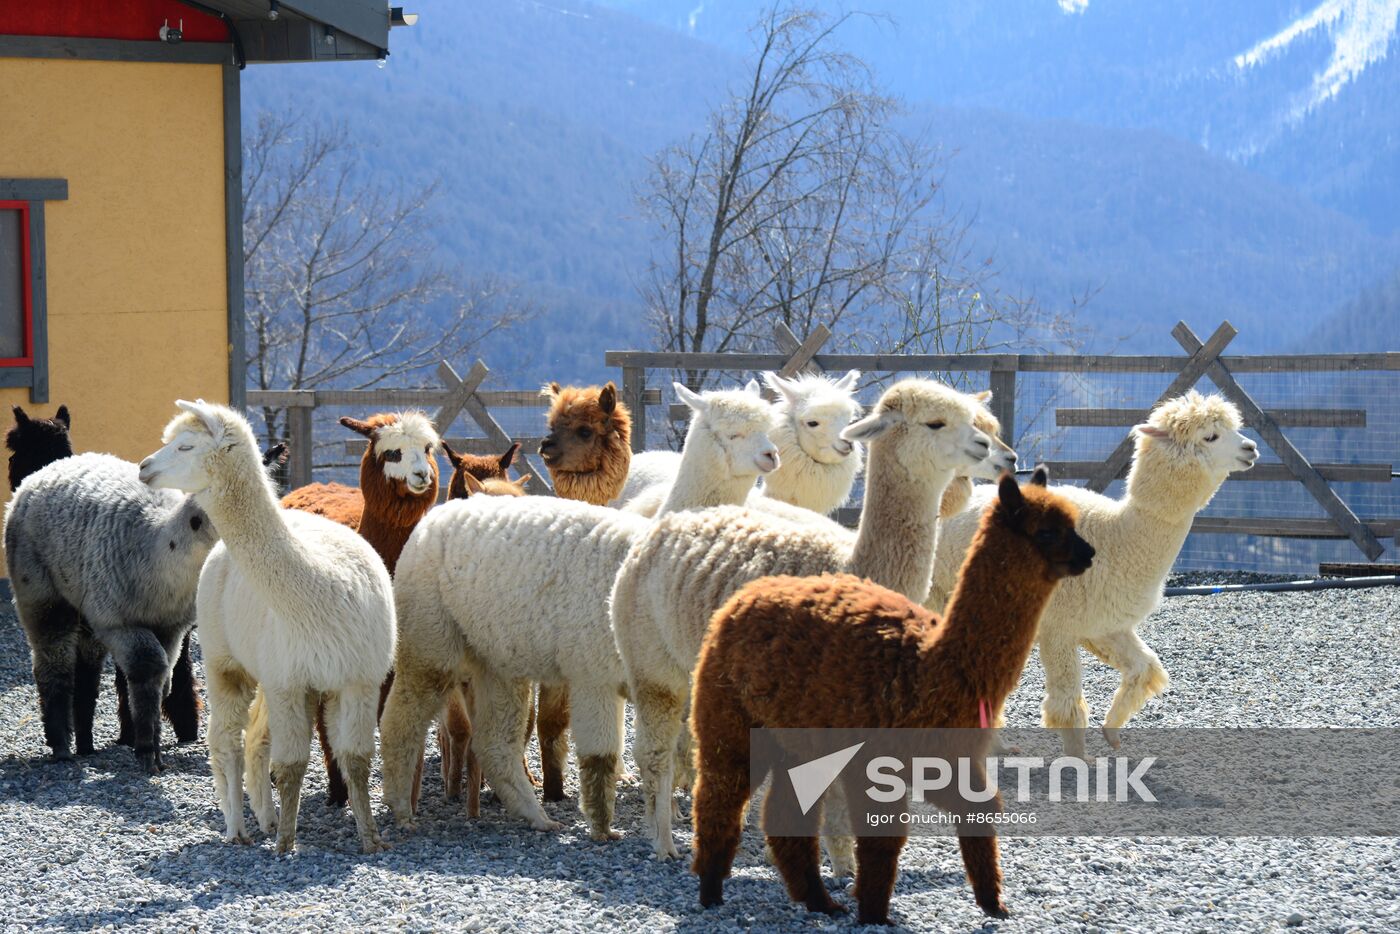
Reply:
x=94, y=844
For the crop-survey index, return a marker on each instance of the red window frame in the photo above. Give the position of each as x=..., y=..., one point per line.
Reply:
x=26, y=284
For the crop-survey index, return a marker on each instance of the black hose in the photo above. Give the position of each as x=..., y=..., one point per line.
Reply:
x=239, y=58
x=1323, y=583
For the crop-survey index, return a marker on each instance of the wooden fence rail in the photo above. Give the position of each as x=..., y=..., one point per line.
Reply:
x=1201, y=359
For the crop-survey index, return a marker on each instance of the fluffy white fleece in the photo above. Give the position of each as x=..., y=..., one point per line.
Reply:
x=688, y=564
x=513, y=591
x=289, y=601
x=1184, y=453
x=819, y=468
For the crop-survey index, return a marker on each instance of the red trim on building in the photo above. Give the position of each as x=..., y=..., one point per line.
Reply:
x=108, y=19
x=26, y=284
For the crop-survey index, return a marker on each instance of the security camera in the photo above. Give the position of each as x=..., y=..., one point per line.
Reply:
x=172, y=34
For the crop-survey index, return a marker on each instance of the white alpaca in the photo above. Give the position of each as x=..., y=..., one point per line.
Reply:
x=512, y=591
x=688, y=564
x=290, y=602
x=1184, y=452
x=818, y=469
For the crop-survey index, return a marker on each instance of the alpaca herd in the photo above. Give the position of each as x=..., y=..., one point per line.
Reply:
x=707, y=588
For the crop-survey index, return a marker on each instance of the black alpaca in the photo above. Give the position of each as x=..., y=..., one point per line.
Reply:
x=35, y=443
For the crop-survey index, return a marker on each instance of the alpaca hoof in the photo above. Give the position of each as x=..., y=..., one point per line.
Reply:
x=375, y=845
x=875, y=920
x=148, y=763
x=604, y=836
x=711, y=892
x=61, y=755
x=628, y=778
x=827, y=907
x=267, y=824
x=665, y=849
x=1113, y=736
x=125, y=739
x=286, y=847
x=546, y=825
x=85, y=747
x=996, y=911
x=237, y=837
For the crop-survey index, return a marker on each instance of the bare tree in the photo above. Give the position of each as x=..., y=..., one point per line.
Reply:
x=802, y=202
x=340, y=287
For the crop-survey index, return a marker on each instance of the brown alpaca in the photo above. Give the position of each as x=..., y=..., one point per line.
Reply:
x=398, y=485
x=477, y=467
x=588, y=452
x=837, y=651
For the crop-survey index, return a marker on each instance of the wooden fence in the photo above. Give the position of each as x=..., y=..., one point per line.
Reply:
x=459, y=395
x=1201, y=359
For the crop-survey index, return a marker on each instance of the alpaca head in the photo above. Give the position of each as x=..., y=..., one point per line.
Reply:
x=204, y=442
x=588, y=447
x=735, y=424
x=492, y=486
x=815, y=410
x=1001, y=458
x=1189, y=445
x=1044, y=522
x=402, y=448
x=478, y=467
x=926, y=428
x=36, y=443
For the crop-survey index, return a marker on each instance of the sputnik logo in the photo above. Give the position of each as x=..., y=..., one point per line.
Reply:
x=810, y=780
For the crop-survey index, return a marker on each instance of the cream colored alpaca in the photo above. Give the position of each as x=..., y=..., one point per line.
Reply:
x=1184, y=453
x=290, y=602
x=688, y=564
x=509, y=592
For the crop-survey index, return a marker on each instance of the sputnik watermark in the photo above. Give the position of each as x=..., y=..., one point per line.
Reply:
x=1111, y=779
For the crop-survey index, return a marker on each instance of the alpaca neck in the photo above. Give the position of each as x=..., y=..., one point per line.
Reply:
x=249, y=520
x=990, y=624
x=598, y=487
x=389, y=519
x=1168, y=491
x=702, y=479
x=898, y=525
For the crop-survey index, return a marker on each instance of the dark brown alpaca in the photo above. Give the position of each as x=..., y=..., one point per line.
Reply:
x=588, y=452
x=398, y=485
x=477, y=467
x=837, y=651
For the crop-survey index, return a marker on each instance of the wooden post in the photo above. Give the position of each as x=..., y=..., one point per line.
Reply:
x=634, y=384
x=1004, y=403
x=302, y=454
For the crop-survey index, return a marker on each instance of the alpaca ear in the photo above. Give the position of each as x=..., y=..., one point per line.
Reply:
x=550, y=390
x=521, y=484
x=357, y=426
x=752, y=388
x=453, y=457
x=1152, y=431
x=200, y=410
x=848, y=382
x=872, y=426
x=62, y=416
x=1009, y=493
x=1041, y=476
x=607, y=399
x=983, y=397
x=508, y=457
x=275, y=455
x=474, y=486
x=781, y=386
x=697, y=403
x=21, y=416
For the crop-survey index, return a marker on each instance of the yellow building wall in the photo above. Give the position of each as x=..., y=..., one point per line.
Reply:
x=137, y=292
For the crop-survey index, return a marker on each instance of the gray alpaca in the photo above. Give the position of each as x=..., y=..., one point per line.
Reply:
x=101, y=563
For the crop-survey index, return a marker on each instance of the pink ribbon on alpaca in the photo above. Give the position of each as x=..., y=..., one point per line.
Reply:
x=983, y=715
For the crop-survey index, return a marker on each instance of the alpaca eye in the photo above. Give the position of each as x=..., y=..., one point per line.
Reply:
x=1212, y=438
x=813, y=424
x=185, y=447
x=585, y=433
x=393, y=457
x=1045, y=537
x=935, y=425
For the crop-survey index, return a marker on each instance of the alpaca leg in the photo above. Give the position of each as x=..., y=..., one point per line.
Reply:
x=979, y=845
x=877, y=868
x=685, y=755
x=146, y=664
x=1064, y=708
x=454, y=739
x=529, y=729
x=553, y=726
x=351, y=716
x=597, y=715
x=836, y=832
x=257, y=770
x=498, y=716
x=1143, y=678
x=658, y=723
x=182, y=705
x=796, y=853
x=87, y=684
x=52, y=632
x=721, y=795
x=336, y=791
x=230, y=692
x=415, y=697
x=290, y=714
x=126, y=733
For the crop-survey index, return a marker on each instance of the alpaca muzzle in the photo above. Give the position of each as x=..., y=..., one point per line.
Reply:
x=767, y=461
